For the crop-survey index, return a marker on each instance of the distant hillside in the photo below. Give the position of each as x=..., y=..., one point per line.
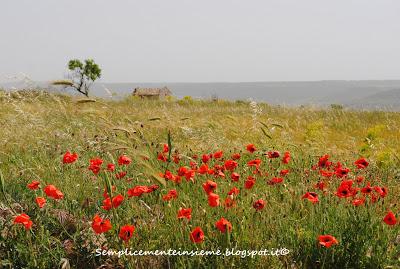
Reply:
x=389, y=99
x=372, y=94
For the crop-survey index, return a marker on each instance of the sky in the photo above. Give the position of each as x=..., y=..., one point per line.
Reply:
x=204, y=40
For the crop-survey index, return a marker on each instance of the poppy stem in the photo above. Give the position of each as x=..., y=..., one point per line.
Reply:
x=228, y=236
x=169, y=140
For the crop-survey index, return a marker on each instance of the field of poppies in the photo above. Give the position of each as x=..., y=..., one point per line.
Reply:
x=79, y=178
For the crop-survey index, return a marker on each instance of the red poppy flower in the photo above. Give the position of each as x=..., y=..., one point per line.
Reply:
x=360, y=179
x=361, y=163
x=209, y=186
x=100, y=225
x=53, y=192
x=340, y=171
x=96, y=161
x=234, y=191
x=190, y=175
x=161, y=157
x=311, y=196
x=177, y=179
x=390, y=218
x=228, y=203
x=111, y=167
x=182, y=171
x=382, y=191
x=126, y=232
x=358, y=202
x=286, y=157
x=236, y=156
x=218, y=154
x=326, y=173
x=284, y=172
x=69, y=158
x=344, y=192
x=152, y=188
x=193, y=165
x=373, y=198
x=345, y=189
x=95, y=165
x=275, y=180
x=230, y=165
x=23, y=219
x=327, y=240
x=220, y=174
x=121, y=174
x=137, y=191
x=324, y=161
x=273, y=154
x=249, y=183
x=165, y=148
x=40, y=201
x=213, y=199
x=218, y=167
x=117, y=200
x=251, y=148
x=172, y=194
x=203, y=169
x=205, y=158
x=235, y=176
x=367, y=189
x=176, y=158
x=223, y=225
x=124, y=160
x=185, y=213
x=197, y=235
x=168, y=175
x=95, y=169
x=320, y=185
x=34, y=185
x=107, y=204
x=255, y=162
x=259, y=204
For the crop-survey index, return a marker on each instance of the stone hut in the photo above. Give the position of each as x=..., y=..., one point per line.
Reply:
x=152, y=93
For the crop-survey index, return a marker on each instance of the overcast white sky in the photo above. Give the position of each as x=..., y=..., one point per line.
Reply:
x=204, y=40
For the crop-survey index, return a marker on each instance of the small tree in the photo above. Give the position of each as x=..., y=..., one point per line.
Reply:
x=83, y=75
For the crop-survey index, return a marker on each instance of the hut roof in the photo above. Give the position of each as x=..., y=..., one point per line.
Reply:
x=151, y=91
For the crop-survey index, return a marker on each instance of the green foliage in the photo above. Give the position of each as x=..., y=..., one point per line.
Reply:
x=75, y=64
x=336, y=106
x=170, y=98
x=83, y=74
x=314, y=131
x=374, y=132
x=384, y=158
x=187, y=99
x=242, y=102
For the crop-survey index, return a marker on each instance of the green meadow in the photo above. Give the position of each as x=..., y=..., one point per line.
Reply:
x=37, y=129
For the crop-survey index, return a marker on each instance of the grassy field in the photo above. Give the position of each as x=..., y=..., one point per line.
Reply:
x=37, y=129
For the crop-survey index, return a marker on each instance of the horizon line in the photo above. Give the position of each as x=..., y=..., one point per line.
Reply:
x=254, y=81
x=226, y=82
